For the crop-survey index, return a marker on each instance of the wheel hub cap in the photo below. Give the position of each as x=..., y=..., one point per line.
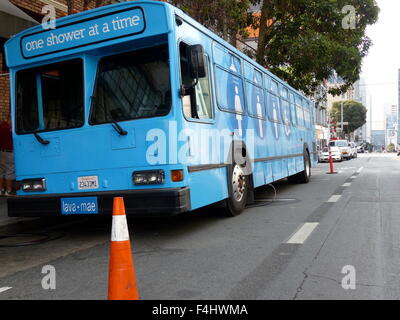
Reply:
x=238, y=183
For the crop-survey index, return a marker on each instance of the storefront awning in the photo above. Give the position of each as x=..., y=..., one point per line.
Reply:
x=13, y=19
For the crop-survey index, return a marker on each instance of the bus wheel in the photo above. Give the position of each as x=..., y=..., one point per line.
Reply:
x=238, y=189
x=303, y=176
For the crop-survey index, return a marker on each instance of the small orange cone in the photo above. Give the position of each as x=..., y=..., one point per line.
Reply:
x=121, y=276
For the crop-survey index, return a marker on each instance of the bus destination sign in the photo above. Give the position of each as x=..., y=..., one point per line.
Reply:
x=91, y=31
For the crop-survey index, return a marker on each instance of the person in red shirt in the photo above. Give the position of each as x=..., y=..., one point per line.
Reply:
x=7, y=171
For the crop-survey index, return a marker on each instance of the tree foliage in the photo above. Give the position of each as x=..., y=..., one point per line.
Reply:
x=353, y=112
x=301, y=41
x=305, y=43
x=227, y=18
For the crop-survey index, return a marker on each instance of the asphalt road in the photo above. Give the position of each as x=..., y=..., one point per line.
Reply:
x=305, y=244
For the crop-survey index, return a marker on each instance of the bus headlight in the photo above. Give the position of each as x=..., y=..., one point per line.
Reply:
x=34, y=185
x=148, y=177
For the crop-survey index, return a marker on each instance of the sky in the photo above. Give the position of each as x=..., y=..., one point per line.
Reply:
x=380, y=67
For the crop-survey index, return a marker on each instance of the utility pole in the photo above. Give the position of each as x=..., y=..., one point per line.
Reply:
x=341, y=119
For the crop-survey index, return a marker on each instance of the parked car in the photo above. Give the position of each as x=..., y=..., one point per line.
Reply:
x=360, y=149
x=344, y=148
x=336, y=154
x=353, y=149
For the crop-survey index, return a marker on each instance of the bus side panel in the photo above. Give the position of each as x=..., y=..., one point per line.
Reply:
x=258, y=174
x=292, y=166
x=268, y=172
x=208, y=187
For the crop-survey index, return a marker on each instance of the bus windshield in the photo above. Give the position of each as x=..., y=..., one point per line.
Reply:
x=50, y=97
x=131, y=86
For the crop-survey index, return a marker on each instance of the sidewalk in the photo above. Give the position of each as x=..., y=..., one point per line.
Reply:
x=8, y=224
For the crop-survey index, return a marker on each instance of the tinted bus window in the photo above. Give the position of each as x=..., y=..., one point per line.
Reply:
x=300, y=116
x=258, y=78
x=131, y=86
x=229, y=91
x=286, y=114
x=307, y=116
x=284, y=92
x=27, y=103
x=267, y=82
x=273, y=107
x=274, y=87
x=255, y=100
x=293, y=109
x=299, y=111
x=50, y=98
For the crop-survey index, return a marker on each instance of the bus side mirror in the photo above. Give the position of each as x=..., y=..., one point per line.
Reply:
x=195, y=55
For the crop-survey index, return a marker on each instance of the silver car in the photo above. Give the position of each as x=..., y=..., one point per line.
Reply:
x=336, y=154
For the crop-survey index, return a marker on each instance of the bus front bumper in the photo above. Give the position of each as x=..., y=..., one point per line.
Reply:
x=145, y=202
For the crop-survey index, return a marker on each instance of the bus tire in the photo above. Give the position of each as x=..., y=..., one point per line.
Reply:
x=303, y=176
x=238, y=187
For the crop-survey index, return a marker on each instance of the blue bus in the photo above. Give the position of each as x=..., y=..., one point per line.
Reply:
x=138, y=100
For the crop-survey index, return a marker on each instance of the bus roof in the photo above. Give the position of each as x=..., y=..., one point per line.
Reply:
x=35, y=45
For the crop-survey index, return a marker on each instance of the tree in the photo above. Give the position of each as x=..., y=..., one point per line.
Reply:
x=307, y=41
x=353, y=112
x=227, y=18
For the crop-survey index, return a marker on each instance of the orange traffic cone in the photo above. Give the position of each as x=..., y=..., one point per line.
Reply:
x=121, y=276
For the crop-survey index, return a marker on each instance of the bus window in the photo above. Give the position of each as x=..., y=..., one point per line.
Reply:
x=284, y=92
x=230, y=91
x=293, y=109
x=274, y=87
x=267, y=82
x=273, y=107
x=132, y=85
x=27, y=103
x=197, y=101
x=255, y=100
x=300, y=116
x=299, y=111
x=307, y=117
x=258, y=79
x=50, y=98
x=286, y=116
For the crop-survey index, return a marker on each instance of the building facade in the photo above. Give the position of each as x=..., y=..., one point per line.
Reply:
x=378, y=140
x=360, y=94
x=398, y=112
x=391, y=125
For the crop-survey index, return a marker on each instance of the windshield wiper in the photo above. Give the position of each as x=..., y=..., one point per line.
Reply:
x=40, y=139
x=115, y=124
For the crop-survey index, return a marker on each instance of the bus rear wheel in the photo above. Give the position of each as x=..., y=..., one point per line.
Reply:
x=303, y=176
x=238, y=190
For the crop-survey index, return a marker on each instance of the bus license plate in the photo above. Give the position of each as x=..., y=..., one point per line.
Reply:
x=85, y=205
x=87, y=183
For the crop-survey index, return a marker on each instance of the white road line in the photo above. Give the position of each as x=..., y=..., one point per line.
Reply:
x=334, y=198
x=353, y=177
x=347, y=184
x=302, y=233
x=5, y=289
x=361, y=169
